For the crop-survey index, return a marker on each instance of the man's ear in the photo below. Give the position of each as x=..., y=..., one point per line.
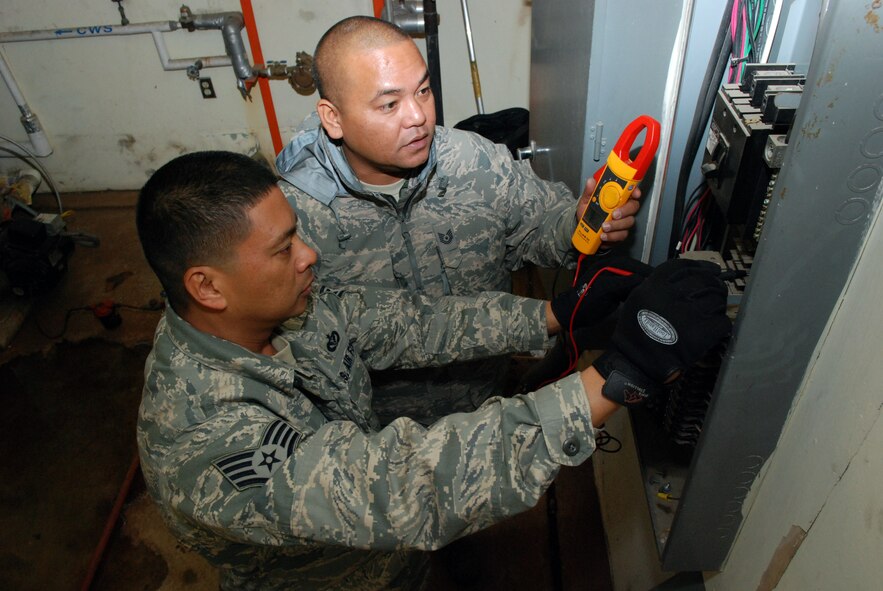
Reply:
x=330, y=117
x=200, y=284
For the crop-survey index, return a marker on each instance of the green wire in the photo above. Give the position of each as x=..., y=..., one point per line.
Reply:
x=759, y=21
x=754, y=11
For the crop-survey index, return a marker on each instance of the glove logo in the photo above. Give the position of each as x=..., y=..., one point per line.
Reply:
x=633, y=394
x=657, y=328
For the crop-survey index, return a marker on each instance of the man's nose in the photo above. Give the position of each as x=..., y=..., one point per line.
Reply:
x=415, y=115
x=307, y=257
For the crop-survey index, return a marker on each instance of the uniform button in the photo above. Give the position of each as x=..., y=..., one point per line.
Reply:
x=571, y=446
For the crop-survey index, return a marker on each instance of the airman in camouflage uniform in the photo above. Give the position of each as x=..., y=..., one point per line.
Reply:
x=277, y=471
x=256, y=433
x=463, y=218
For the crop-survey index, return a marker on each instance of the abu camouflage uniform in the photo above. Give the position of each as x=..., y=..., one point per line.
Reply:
x=276, y=471
x=469, y=217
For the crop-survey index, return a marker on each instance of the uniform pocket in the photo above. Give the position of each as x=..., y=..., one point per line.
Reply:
x=448, y=247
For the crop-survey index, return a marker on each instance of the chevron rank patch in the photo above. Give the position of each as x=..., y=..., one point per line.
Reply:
x=253, y=467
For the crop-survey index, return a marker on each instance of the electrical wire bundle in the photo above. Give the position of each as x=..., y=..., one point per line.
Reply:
x=714, y=73
x=746, y=27
x=697, y=224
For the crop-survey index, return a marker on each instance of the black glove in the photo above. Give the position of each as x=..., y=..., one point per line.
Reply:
x=606, y=292
x=667, y=324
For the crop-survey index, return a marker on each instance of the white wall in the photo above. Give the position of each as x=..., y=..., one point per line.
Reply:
x=113, y=115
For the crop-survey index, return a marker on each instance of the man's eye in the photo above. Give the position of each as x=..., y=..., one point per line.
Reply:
x=388, y=107
x=286, y=250
x=424, y=91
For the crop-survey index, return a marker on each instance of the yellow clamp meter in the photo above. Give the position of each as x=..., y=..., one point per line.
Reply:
x=615, y=182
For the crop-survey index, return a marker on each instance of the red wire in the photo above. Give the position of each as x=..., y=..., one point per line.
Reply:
x=689, y=217
x=701, y=204
x=686, y=245
x=573, y=356
x=701, y=224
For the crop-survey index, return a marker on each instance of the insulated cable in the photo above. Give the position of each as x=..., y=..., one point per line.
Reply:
x=100, y=311
x=705, y=103
x=573, y=351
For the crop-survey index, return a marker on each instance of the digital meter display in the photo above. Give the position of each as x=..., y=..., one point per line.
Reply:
x=595, y=217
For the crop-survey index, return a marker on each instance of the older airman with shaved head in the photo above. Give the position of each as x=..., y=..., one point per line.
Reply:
x=390, y=199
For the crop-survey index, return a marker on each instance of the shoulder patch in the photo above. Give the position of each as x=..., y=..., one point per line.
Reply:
x=253, y=467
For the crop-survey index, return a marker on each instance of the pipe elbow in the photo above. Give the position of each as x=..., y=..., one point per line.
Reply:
x=230, y=24
x=233, y=23
x=233, y=20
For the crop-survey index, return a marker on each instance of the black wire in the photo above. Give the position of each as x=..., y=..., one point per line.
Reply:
x=711, y=221
x=67, y=317
x=697, y=193
x=695, y=196
x=152, y=306
x=713, y=75
x=693, y=214
x=603, y=438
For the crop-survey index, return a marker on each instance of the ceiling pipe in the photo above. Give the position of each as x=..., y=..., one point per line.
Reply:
x=90, y=31
x=36, y=136
x=230, y=24
x=191, y=65
x=155, y=29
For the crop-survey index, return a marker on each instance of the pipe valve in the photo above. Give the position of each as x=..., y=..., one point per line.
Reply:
x=299, y=76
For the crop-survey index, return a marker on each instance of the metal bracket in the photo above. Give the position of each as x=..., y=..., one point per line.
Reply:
x=407, y=14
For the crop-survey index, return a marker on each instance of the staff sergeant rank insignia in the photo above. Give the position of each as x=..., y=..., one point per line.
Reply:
x=253, y=467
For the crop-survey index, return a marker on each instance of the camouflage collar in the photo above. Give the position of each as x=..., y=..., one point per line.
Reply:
x=226, y=356
x=315, y=165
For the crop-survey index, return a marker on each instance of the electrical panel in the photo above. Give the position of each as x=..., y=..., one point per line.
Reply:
x=789, y=179
x=749, y=131
x=788, y=173
x=747, y=138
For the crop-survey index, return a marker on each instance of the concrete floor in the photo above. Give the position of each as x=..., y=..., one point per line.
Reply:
x=71, y=389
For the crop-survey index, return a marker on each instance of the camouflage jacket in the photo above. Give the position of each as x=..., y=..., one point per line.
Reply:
x=277, y=473
x=468, y=218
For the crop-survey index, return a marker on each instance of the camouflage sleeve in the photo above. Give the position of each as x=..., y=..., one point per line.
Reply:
x=541, y=218
x=394, y=328
x=406, y=486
